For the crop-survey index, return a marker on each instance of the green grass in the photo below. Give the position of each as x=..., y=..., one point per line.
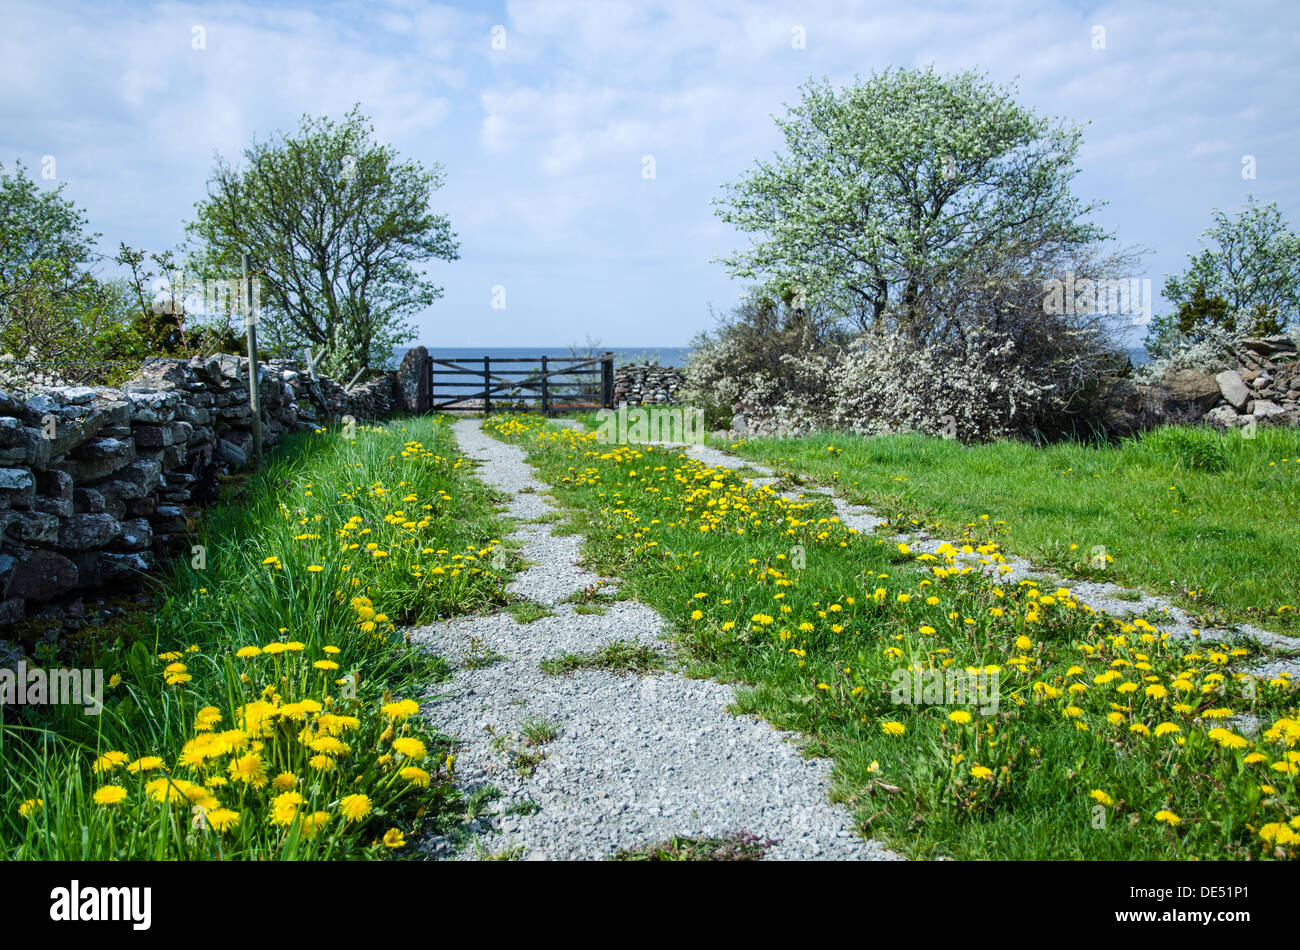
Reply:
x=480, y=655
x=526, y=611
x=1209, y=520
x=523, y=752
x=824, y=626
x=736, y=847
x=538, y=731
x=591, y=600
x=619, y=657
x=317, y=563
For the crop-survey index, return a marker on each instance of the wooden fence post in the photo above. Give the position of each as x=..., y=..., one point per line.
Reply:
x=487, y=385
x=546, y=395
x=424, y=390
x=250, y=330
x=607, y=381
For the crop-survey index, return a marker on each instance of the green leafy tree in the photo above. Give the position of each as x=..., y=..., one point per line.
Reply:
x=159, y=323
x=896, y=196
x=336, y=227
x=1245, y=280
x=51, y=305
x=41, y=226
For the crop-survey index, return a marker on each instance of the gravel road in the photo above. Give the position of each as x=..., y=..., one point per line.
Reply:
x=635, y=760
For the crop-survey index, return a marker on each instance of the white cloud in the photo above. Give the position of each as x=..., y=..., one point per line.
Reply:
x=543, y=140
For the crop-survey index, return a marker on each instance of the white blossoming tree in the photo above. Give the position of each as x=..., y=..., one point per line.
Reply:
x=930, y=210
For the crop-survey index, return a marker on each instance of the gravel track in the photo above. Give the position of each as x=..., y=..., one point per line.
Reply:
x=635, y=759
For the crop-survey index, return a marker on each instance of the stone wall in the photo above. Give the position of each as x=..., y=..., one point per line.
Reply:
x=1263, y=389
x=97, y=484
x=645, y=384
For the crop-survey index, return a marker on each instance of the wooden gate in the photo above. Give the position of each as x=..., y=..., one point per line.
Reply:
x=552, y=384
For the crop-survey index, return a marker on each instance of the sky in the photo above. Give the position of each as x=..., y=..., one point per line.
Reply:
x=544, y=113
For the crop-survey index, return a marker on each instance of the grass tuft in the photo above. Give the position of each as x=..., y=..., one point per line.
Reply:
x=621, y=657
x=734, y=847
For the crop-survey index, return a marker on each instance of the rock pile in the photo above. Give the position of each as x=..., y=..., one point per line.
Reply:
x=1263, y=389
x=99, y=483
x=645, y=384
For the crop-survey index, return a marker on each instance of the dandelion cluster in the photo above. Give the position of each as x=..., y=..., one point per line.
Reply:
x=1173, y=739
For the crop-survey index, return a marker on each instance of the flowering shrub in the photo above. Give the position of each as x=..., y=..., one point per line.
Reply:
x=757, y=362
x=977, y=392
x=1169, y=350
x=884, y=383
x=997, y=378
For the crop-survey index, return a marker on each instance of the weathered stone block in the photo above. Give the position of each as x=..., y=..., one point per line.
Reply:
x=231, y=454
x=16, y=479
x=89, y=470
x=85, y=532
x=97, y=568
x=37, y=527
x=137, y=535
x=413, y=381
x=1233, y=388
x=152, y=408
x=87, y=500
x=104, y=449
x=152, y=437
x=146, y=474
x=142, y=508
x=1190, y=391
x=41, y=575
x=173, y=457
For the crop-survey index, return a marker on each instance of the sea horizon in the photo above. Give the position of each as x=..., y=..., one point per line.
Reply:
x=663, y=355
x=673, y=356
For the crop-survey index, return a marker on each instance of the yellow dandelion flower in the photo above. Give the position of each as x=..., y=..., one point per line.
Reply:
x=355, y=808
x=222, y=819
x=401, y=709
x=393, y=838
x=110, y=795
x=146, y=763
x=409, y=747
x=416, y=776
x=109, y=761
x=284, y=808
x=248, y=769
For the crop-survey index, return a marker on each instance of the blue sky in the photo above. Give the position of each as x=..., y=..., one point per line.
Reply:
x=544, y=140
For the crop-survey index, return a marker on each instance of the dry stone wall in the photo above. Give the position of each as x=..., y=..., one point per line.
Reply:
x=1264, y=389
x=646, y=384
x=98, y=484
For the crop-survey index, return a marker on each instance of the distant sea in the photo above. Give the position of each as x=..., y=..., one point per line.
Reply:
x=663, y=355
